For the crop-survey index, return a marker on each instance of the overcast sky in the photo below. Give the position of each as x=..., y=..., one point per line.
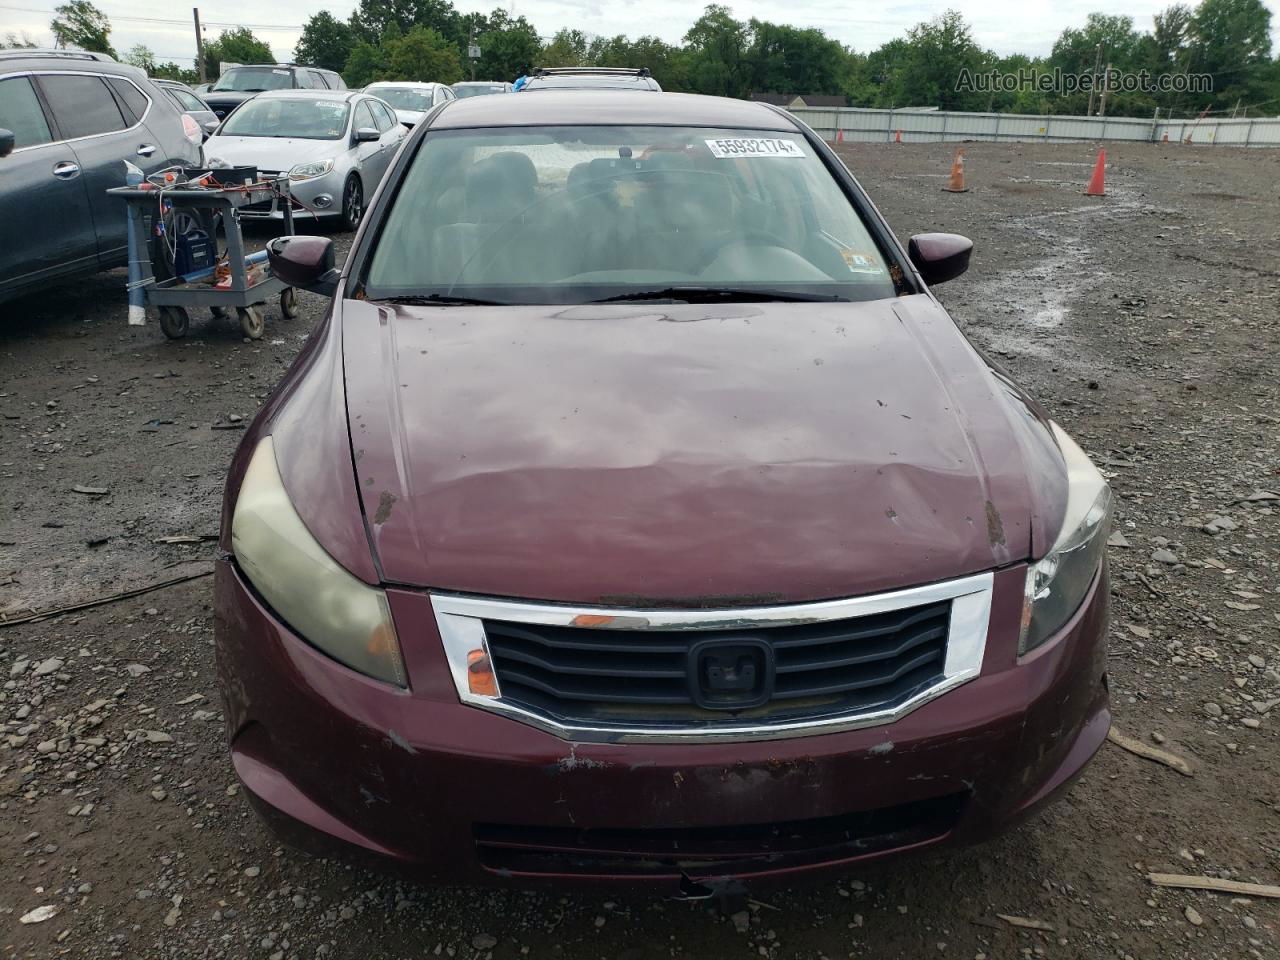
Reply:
x=1006, y=26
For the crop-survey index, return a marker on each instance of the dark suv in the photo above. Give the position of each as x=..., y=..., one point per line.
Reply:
x=239, y=83
x=68, y=121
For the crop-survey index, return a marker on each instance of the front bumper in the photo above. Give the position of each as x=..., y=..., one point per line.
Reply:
x=314, y=199
x=453, y=793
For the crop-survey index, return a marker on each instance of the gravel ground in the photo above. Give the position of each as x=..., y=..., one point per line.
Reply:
x=1146, y=322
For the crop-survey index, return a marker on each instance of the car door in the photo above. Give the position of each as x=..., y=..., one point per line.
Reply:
x=45, y=224
x=392, y=130
x=371, y=155
x=93, y=123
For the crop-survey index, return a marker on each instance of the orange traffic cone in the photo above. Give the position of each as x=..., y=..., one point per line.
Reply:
x=839, y=136
x=956, y=184
x=1097, y=187
x=897, y=137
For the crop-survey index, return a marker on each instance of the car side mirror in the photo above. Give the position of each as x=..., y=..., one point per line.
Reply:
x=940, y=256
x=211, y=125
x=366, y=134
x=6, y=142
x=305, y=262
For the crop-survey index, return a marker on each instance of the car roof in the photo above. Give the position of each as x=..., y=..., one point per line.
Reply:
x=307, y=95
x=612, y=108
x=590, y=81
x=80, y=60
x=415, y=84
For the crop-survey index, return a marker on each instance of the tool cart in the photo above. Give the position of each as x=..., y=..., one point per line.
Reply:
x=173, y=230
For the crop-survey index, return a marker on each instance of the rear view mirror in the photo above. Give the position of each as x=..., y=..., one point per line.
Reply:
x=940, y=256
x=211, y=125
x=305, y=262
x=6, y=142
x=366, y=134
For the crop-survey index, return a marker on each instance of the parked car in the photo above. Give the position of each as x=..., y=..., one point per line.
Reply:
x=590, y=78
x=202, y=88
x=480, y=88
x=411, y=101
x=189, y=103
x=241, y=82
x=334, y=146
x=68, y=122
x=696, y=546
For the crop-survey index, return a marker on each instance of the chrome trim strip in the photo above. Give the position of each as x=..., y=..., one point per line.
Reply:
x=460, y=621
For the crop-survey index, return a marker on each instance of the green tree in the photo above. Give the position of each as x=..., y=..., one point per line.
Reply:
x=422, y=54
x=932, y=61
x=325, y=42
x=16, y=41
x=568, y=48
x=140, y=56
x=1077, y=51
x=508, y=47
x=171, y=71
x=717, y=53
x=365, y=64
x=1231, y=41
x=786, y=59
x=665, y=62
x=236, y=46
x=372, y=18
x=80, y=24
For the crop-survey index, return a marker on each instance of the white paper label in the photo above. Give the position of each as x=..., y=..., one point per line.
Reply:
x=734, y=148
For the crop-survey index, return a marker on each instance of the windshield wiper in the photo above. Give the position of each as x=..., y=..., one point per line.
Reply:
x=441, y=299
x=696, y=294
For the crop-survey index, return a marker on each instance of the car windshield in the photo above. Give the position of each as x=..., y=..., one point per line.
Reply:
x=251, y=79
x=404, y=98
x=478, y=90
x=305, y=119
x=581, y=214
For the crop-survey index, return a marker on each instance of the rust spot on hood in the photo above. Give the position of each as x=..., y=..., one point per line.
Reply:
x=383, y=512
x=995, y=526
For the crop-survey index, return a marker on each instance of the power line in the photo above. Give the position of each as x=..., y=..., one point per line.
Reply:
x=180, y=23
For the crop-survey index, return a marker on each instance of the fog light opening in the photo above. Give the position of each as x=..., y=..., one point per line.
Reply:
x=480, y=677
x=322, y=201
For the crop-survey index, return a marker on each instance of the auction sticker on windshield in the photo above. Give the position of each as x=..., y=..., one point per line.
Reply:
x=735, y=148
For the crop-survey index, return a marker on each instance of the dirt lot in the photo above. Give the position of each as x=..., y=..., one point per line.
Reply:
x=1145, y=321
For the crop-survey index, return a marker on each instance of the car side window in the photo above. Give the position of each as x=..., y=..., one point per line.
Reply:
x=363, y=118
x=316, y=80
x=82, y=106
x=133, y=98
x=382, y=117
x=188, y=101
x=334, y=81
x=20, y=113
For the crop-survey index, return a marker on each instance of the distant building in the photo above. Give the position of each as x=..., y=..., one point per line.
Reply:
x=801, y=99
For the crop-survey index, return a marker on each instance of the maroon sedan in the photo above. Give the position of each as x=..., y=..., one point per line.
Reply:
x=638, y=515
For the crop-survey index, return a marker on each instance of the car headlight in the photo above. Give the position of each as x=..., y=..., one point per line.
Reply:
x=309, y=171
x=327, y=606
x=1056, y=586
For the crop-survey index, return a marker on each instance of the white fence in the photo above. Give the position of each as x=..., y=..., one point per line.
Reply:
x=873, y=126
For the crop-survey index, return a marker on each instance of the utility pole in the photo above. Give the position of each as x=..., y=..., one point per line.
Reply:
x=1106, y=88
x=199, y=47
x=1097, y=61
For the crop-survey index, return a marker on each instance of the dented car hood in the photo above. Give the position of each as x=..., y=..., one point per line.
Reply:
x=657, y=455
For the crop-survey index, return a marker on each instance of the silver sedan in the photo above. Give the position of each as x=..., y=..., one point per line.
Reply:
x=334, y=146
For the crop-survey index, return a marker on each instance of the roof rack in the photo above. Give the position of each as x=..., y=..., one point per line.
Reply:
x=21, y=53
x=580, y=71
